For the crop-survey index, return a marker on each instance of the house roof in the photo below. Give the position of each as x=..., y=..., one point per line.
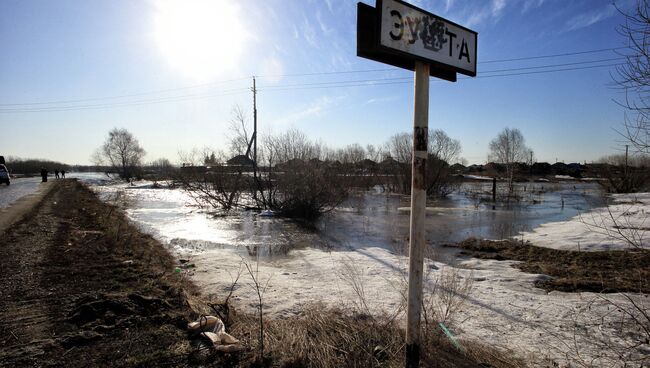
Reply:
x=240, y=160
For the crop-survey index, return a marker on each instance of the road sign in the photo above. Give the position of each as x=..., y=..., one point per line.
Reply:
x=406, y=36
x=414, y=32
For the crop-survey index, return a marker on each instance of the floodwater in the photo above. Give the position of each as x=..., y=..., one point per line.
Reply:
x=366, y=219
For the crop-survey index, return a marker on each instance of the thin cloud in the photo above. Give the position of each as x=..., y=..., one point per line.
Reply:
x=490, y=11
x=531, y=4
x=329, y=6
x=308, y=32
x=448, y=5
x=497, y=7
x=312, y=109
x=381, y=99
x=323, y=27
x=586, y=19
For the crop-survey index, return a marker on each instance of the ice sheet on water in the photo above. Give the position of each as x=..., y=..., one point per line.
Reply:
x=602, y=228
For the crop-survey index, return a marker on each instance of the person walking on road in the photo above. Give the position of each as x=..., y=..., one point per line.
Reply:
x=44, y=174
x=62, y=174
x=56, y=173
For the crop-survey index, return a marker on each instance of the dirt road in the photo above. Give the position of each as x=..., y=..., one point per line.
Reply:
x=19, y=198
x=80, y=287
x=19, y=187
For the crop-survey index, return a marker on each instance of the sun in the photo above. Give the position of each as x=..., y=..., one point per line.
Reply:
x=202, y=39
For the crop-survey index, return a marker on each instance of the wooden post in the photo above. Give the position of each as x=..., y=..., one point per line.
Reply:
x=626, y=149
x=418, y=212
x=494, y=190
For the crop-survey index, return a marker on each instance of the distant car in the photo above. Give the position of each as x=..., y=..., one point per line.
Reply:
x=4, y=174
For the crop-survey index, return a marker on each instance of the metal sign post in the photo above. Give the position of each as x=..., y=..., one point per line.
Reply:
x=408, y=37
x=418, y=211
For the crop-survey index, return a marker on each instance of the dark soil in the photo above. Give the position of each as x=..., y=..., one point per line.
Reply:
x=571, y=271
x=81, y=287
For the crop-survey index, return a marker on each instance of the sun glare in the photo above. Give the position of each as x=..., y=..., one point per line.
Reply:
x=203, y=39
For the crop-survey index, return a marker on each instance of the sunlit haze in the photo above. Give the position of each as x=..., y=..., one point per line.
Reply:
x=203, y=39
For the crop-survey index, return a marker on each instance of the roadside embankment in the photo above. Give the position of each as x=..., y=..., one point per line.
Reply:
x=81, y=287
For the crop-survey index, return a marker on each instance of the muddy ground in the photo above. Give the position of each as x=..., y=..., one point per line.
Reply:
x=572, y=271
x=81, y=287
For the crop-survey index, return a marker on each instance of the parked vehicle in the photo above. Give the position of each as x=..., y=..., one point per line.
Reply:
x=4, y=174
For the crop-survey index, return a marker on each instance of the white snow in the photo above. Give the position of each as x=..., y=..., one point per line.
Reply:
x=502, y=309
x=477, y=177
x=621, y=225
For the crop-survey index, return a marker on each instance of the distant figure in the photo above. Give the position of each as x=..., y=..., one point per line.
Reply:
x=63, y=174
x=44, y=174
x=56, y=173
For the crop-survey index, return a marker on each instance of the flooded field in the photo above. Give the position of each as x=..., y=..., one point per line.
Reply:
x=366, y=219
x=353, y=258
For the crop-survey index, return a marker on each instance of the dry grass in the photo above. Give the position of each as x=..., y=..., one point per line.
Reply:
x=320, y=337
x=605, y=271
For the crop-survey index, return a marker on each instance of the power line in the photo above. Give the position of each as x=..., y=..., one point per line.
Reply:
x=125, y=103
x=340, y=82
x=546, y=71
x=554, y=55
x=327, y=73
x=410, y=78
x=153, y=92
x=479, y=63
x=391, y=81
x=304, y=86
x=551, y=66
x=209, y=84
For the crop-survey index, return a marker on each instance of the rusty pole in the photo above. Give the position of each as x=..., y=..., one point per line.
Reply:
x=418, y=208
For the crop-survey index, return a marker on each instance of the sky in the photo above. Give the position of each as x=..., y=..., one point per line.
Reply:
x=171, y=72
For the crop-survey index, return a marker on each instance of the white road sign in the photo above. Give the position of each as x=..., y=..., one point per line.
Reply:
x=411, y=30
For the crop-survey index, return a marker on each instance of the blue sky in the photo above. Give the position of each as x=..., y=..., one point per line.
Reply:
x=172, y=71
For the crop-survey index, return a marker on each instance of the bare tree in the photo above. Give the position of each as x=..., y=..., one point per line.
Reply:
x=296, y=181
x=162, y=168
x=625, y=174
x=122, y=151
x=240, y=140
x=443, y=150
x=373, y=153
x=218, y=186
x=634, y=76
x=509, y=148
x=444, y=147
x=398, y=162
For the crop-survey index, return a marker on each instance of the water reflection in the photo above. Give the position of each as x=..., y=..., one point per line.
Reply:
x=366, y=219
